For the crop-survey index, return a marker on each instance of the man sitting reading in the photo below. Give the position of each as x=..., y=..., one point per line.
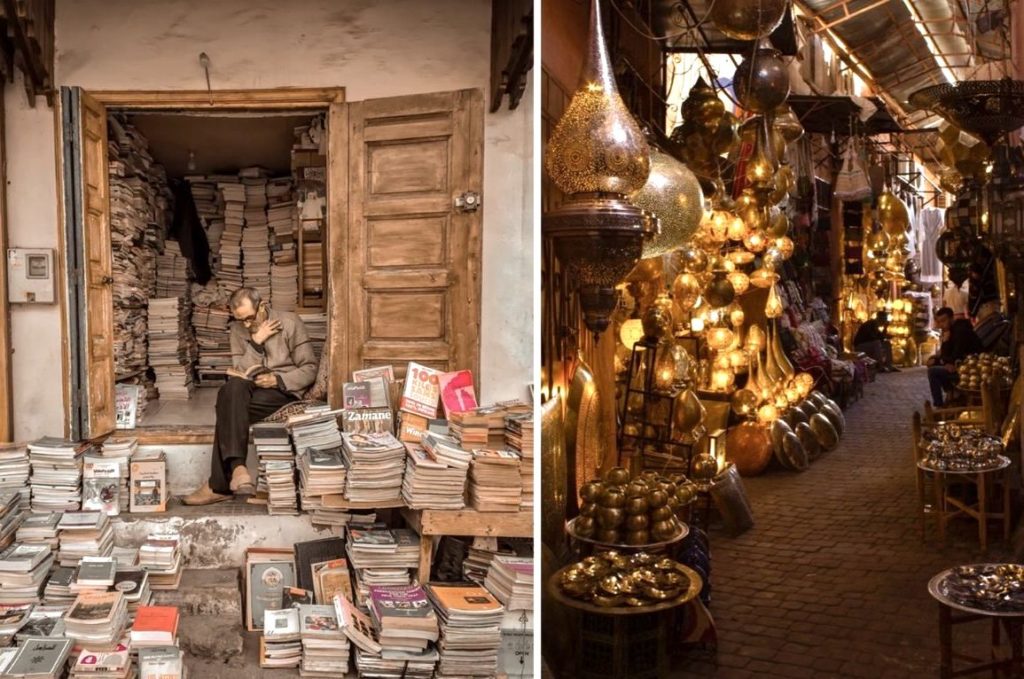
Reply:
x=272, y=364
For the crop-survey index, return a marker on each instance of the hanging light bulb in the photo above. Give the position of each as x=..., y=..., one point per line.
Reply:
x=773, y=308
x=597, y=155
x=719, y=337
x=696, y=325
x=740, y=281
x=686, y=291
x=632, y=331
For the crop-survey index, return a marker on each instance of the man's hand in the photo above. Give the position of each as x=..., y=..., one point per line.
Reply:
x=266, y=381
x=266, y=330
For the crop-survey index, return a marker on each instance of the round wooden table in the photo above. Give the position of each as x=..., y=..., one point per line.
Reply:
x=952, y=613
x=948, y=506
x=626, y=641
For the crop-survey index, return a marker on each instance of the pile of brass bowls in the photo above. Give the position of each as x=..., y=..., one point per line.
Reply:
x=622, y=510
x=612, y=579
x=975, y=370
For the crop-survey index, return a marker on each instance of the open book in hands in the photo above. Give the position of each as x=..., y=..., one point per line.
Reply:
x=250, y=373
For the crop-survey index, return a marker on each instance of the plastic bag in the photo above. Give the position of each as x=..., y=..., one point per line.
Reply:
x=852, y=183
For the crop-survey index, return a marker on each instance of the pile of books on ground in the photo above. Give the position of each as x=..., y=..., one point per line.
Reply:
x=316, y=328
x=281, y=645
x=44, y=621
x=113, y=664
x=470, y=630
x=133, y=582
x=495, y=482
x=325, y=648
x=84, y=534
x=58, y=587
x=172, y=349
x=154, y=626
x=162, y=662
x=120, y=449
x=39, y=658
x=209, y=208
x=435, y=473
x=406, y=629
x=510, y=580
x=39, y=529
x=23, y=571
x=255, y=236
x=376, y=463
x=381, y=556
x=519, y=437
x=14, y=471
x=229, y=273
x=160, y=556
x=276, y=467
x=210, y=318
x=97, y=620
x=95, y=574
x=56, y=473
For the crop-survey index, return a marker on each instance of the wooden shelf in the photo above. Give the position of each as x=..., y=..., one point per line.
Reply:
x=470, y=522
x=434, y=522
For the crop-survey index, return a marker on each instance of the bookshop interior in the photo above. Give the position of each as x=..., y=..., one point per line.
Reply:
x=363, y=207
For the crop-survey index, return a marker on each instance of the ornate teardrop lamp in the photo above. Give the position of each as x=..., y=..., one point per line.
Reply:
x=597, y=155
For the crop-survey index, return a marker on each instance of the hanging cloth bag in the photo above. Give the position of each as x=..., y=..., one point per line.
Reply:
x=852, y=183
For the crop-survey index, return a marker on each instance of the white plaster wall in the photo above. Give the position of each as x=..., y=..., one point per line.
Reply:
x=373, y=48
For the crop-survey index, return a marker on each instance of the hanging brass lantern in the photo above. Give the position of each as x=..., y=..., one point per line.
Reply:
x=761, y=83
x=691, y=259
x=786, y=122
x=720, y=292
x=892, y=214
x=657, y=320
x=747, y=19
x=672, y=193
x=773, y=308
x=686, y=291
x=597, y=155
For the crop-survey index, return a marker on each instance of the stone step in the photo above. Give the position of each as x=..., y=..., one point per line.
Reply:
x=215, y=592
x=245, y=665
x=213, y=639
x=216, y=536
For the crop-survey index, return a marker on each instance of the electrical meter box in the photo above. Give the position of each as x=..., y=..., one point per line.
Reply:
x=30, y=276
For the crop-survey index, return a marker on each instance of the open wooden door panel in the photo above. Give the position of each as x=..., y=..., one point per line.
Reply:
x=413, y=257
x=96, y=273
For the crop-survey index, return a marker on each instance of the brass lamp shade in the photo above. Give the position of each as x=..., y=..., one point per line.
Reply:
x=892, y=214
x=747, y=19
x=597, y=146
x=672, y=193
x=761, y=82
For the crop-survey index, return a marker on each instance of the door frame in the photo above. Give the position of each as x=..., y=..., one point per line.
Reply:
x=323, y=99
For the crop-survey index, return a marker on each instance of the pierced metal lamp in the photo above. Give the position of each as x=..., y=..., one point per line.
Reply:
x=598, y=155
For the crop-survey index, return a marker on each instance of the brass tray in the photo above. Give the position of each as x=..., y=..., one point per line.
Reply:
x=684, y=530
x=696, y=584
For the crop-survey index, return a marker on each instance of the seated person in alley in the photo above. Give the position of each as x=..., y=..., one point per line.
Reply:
x=958, y=342
x=272, y=364
x=872, y=341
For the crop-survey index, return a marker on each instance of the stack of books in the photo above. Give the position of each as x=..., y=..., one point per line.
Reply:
x=84, y=534
x=470, y=623
x=481, y=553
x=40, y=659
x=431, y=483
x=120, y=449
x=162, y=662
x=404, y=620
x=172, y=349
x=213, y=339
x=148, y=482
x=325, y=647
x=375, y=462
x=56, y=473
x=321, y=472
x=155, y=626
x=58, y=586
x=315, y=427
x=39, y=529
x=160, y=555
x=11, y=516
x=316, y=328
x=172, y=271
x=23, y=570
x=495, y=482
x=276, y=476
x=14, y=470
x=95, y=574
x=113, y=664
x=282, y=220
x=313, y=270
x=469, y=428
x=134, y=584
x=510, y=580
x=256, y=235
x=97, y=620
x=280, y=645
x=43, y=622
x=229, y=274
x=381, y=556
x=519, y=437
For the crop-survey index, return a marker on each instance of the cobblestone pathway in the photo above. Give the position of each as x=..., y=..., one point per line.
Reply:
x=831, y=581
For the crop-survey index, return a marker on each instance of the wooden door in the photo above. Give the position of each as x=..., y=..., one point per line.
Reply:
x=413, y=257
x=97, y=274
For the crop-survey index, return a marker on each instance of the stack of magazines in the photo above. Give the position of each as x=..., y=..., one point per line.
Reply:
x=97, y=620
x=281, y=644
x=23, y=570
x=381, y=556
x=56, y=473
x=84, y=534
x=470, y=620
x=325, y=647
x=375, y=462
x=14, y=470
x=430, y=482
x=510, y=580
x=160, y=555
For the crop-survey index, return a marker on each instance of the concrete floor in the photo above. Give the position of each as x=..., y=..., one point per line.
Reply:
x=197, y=411
x=831, y=581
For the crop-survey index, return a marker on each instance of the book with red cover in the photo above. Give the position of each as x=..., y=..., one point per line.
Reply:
x=457, y=393
x=158, y=624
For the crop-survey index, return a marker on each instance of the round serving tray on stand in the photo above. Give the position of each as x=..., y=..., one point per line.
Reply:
x=692, y=590
x=935, y=589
